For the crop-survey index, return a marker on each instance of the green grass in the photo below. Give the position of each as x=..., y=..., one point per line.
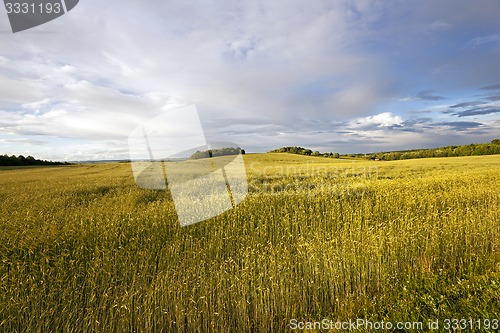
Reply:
x=82, y=249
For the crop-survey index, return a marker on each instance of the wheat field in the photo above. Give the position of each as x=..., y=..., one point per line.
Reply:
x=83, y=249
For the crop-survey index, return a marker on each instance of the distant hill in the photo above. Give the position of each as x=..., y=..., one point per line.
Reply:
x=491, y=148
x=20, y=160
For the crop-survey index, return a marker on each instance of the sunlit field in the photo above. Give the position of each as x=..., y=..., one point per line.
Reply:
x=83, y=249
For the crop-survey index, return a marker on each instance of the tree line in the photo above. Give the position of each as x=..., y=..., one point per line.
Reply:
x=473, y=149
x=304, y=151
x=217, y=152
x=20, y=160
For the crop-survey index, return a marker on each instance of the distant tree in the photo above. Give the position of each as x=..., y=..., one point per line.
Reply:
x=304, y=151
x=449, y=151
x=14, y=159
x=30, y=160
x=216, y=152
x=5, y=160
x=200, y=154
x=20, y=160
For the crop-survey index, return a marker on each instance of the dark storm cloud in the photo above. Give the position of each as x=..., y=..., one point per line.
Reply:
x=477, y=111
x=429, y=95
x=493, y=98
x=460, y=125
x=467, y=104
x=411, y=122
x=492, y=87
x=351, y=141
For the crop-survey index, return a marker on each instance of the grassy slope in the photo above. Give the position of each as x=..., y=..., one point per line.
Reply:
x=83, y=249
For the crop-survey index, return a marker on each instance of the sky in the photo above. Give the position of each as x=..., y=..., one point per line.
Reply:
x=343, y=76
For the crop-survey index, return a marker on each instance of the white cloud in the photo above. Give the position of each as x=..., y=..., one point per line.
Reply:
x=37, y=105
x=485, y=40
x=409, y=99
x=19, y=91
x=436, y=26
x=385, y=119
x=124, y=68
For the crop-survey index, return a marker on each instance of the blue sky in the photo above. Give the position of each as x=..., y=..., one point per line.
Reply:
x=344, y=76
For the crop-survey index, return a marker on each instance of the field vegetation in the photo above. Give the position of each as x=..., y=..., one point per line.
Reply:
x=83, y=249
x=472, y=149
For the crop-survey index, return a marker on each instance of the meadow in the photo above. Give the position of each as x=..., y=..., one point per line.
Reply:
x=83, y=249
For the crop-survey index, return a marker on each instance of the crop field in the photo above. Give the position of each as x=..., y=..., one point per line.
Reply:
x=83, y=249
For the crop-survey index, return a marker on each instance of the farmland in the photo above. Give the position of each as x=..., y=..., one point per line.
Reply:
x=83, y=249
